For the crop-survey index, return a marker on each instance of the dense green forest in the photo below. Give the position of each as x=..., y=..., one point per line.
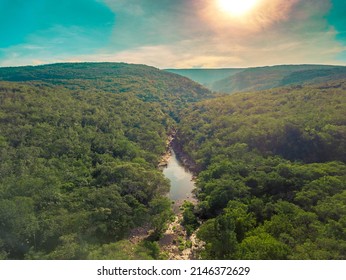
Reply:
x=79, y=148
x=272, y=173
x=80, y=145
x=169, y=91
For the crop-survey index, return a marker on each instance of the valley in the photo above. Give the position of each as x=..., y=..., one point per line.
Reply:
x=89, y=168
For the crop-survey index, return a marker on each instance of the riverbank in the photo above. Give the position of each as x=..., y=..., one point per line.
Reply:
x=172, y=143
x=168, y=153
x=185, y=160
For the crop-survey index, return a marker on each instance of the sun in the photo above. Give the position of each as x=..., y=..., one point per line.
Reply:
x=237, y=7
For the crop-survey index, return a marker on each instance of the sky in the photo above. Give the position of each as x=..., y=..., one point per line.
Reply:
x=173, y=33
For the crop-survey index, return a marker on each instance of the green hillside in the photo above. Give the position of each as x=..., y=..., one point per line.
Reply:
x=272, y=180
x=254, y=79
x=79, y=148
x=149, y=84
x=231, y=80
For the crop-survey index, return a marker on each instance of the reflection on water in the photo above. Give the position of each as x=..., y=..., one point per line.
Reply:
x=181, y=180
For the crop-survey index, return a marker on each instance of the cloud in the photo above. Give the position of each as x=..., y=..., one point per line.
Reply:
x=127, y=6
x=195, y=33
x=276, y=32
x=319, y=48
x=162, y=56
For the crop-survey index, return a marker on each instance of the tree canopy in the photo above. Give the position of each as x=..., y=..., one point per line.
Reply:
x=272, y=173
x=79, y=149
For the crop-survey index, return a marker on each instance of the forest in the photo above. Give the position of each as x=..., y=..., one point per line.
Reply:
x=272, y=173
x=80, y=145
x=79, y=148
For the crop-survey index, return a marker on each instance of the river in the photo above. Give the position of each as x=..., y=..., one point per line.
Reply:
x=182, y=185
x=181, y=180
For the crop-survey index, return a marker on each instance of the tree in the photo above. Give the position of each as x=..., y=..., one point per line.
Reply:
x=262, y=247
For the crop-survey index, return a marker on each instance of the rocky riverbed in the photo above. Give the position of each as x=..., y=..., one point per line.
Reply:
x=177, y=244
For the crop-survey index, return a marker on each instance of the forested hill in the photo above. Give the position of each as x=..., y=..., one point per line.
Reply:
x=261, y=78
x=233, y=80
x=79, y=148
x=272, y=181
x=147, y=83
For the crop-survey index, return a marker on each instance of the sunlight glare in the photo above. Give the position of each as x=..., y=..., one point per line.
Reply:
x=237, y=7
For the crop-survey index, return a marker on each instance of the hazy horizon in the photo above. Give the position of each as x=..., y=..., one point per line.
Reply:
x=210, y=68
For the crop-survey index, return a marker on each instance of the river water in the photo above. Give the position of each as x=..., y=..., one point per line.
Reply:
x=181, y=180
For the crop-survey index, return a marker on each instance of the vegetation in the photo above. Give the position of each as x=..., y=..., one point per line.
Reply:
x=79, y=148
x=272, y=173
x=80, y=145
x=170, y=92
x=190, y=221
x=254, y=79
x=232, y=80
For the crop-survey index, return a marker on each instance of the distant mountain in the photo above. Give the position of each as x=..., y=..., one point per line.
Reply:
x=206, y=77
x=254, y=79
x=233, y=80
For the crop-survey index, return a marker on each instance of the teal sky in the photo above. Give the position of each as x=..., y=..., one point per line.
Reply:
x=172, y=33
